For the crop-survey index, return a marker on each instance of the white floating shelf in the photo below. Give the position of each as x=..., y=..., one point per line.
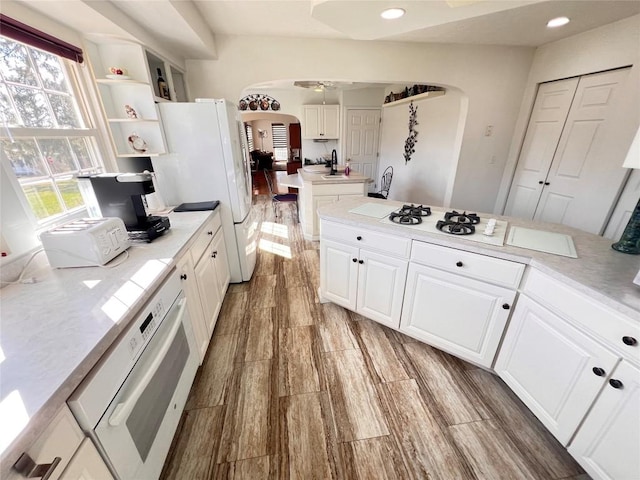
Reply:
x=132, y=120
x=415, y=98
x=109, y=81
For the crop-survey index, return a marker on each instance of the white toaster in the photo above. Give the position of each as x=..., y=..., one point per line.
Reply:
x=86, y=242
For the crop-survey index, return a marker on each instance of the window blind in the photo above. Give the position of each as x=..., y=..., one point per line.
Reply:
x=280, y=142
x=249, y=132
x=22, y=32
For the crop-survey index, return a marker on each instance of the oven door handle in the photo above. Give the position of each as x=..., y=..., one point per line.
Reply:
x=123, y=409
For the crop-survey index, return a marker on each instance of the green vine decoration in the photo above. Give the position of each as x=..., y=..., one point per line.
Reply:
x=410, y=143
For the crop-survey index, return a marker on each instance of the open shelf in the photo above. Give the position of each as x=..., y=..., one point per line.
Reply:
x=415, y=98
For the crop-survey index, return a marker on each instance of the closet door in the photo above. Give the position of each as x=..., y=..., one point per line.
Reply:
x=565, y=173
x=584, y=180
x=540, y=142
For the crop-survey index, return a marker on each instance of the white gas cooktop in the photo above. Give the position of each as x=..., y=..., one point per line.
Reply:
x=429, y=225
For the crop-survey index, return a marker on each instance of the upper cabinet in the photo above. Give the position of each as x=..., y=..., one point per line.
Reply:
x=321, y=121
x=130, y=81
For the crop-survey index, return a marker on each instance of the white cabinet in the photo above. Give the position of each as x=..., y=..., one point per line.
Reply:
x=608, y=442
x=363, y=271
x=190, y=285
x=63, y=439
x=313, y=196
x=563, y=355
x=555, y=369
x=86, y=464
x=450, y=304
x=211, y=270
x=321, y=121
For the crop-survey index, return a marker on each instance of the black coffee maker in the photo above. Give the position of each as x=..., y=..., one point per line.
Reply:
x=121, y=195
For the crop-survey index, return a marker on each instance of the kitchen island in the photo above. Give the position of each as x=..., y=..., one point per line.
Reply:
x=563, y=333
x=319, y=189
x=54, y=331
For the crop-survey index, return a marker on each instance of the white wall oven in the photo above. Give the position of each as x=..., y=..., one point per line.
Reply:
x=131, y=402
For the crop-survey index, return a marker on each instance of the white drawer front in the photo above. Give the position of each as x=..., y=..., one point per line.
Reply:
x=481, y=267
x=364, y=238
x=204, y=237
x=606, y=324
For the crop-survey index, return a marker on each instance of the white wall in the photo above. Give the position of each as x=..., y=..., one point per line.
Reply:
x=612, y=46
x=426, y=178
x=491, y=77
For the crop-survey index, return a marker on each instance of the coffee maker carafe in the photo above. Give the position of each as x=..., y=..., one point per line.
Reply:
x=120, y=195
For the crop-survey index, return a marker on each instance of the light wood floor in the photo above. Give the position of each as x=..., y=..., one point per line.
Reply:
x=294, y=389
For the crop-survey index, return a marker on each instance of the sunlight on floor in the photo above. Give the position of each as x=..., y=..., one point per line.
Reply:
x=13, y=418
x=275, y=248
x=276, y=229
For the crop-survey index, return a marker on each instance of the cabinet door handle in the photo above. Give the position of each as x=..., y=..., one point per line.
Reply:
x=599, y=371
x=209, y=232
x=629, y=341
x=30, y=469
x=506, y=306
x=183, y=276
x=616, y=383
x=214, y=254
x=354, y=260
x=358, y=238
x=459, y=264
x=360, y=262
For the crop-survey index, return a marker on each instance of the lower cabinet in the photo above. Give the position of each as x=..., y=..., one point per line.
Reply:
x=369, y=283
x=555, y=369
x=607, y=444
x=63, y=439
x=86, y=464
x=459, y=301
x=204, y=271
x=460, y=315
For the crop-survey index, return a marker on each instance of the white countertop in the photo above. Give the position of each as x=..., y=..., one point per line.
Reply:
x=599, y=271
x=54, y=331
x=326, y=179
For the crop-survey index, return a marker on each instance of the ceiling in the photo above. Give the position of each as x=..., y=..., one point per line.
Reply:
x=187, y=28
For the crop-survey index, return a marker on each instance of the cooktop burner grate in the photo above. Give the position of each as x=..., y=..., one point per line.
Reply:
x=464, y=217
x=415, y=210
x=405, y=218
x=455, y=228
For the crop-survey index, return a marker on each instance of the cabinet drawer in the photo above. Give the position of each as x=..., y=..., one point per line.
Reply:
x=204, y=237
x=364, y=238
x=606, y=324
x=339, y=189
x=481, y=267
x=61, y=438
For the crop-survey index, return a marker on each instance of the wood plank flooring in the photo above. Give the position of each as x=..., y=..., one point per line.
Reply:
x=294, y=389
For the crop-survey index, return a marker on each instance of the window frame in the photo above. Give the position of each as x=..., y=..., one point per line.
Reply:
x=279, y=134
x=81, y=87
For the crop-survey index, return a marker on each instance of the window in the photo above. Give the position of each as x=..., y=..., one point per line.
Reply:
x=280, y=143
x=249, y=131
x=45, y=134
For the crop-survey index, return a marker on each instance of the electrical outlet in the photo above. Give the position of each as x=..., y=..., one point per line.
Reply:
x=488, y=131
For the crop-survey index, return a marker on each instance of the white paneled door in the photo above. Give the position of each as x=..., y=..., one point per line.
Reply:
x=363, y=130
x=565, y=174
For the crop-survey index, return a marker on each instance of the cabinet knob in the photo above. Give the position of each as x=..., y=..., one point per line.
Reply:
x=598, y=371
x=540, y=182
x=546, y=183
x=459, y=264
x=615, y=383
x=358, y=238
x=360, y=262
x=183, y=276
x=629, y=341
x=506, y=306
x=209, y=232
x=30, y=469
x=354, y=260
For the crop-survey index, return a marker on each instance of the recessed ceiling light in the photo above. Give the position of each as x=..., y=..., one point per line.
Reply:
x=392, y=13
x=557, y=22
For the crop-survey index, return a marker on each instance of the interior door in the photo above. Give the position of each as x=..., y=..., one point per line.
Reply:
x=548, y=117
x=363, y=131
x=583, y=183
x=564, y=173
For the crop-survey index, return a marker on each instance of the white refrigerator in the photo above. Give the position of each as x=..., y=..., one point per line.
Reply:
x=208, y=160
